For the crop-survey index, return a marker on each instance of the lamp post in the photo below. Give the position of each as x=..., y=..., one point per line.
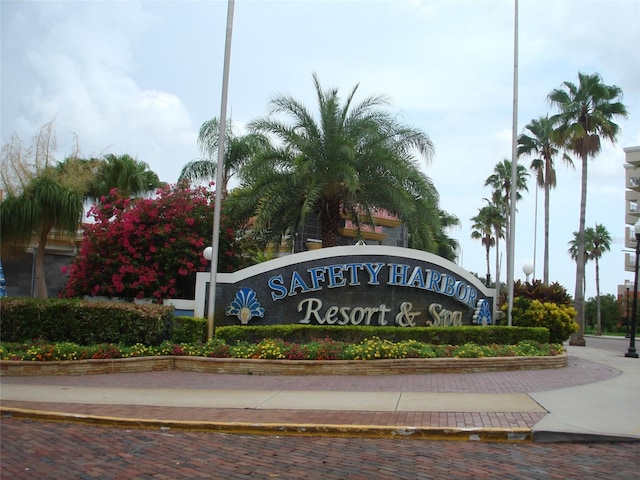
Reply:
x=527, y=268
x=207, y=253
x=631, y=352
x=627, y=284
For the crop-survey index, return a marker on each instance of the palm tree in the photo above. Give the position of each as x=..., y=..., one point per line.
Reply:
x=596, y=241
x=483, y=231
x=499, y=223
x=447, y=247
x=599, y=242
x=130, y=176
x=350, y=159
x=239, y=149
x=500, y=181
x=40, y=195
x=573, y=252
x=45, y=204
x=541, y=144
x=587, y=111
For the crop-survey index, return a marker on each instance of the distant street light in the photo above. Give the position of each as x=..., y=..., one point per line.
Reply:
x=207, y=253
x=631, y=352
x=527, y=268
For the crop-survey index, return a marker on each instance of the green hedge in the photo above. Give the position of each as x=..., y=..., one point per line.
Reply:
x=90, y=323
x=189, y=330
x=355, y=334
x=86, y=323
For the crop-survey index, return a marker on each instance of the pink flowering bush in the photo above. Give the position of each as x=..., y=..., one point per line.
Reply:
x=148, y=247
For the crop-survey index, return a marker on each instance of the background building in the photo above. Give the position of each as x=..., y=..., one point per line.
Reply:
x=632, y=214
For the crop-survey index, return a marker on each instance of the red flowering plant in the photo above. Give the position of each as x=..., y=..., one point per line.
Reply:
x=148, y=247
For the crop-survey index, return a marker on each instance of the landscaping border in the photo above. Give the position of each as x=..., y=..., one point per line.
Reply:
x=242, y=366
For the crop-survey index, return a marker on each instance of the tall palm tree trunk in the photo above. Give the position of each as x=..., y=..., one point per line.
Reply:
x=329, y=222
x=488, y=250
x=577, y=338
x=545, y=272
x=497, y=274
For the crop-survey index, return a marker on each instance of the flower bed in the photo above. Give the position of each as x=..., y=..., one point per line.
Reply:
x=271, y=356
x=372, y=348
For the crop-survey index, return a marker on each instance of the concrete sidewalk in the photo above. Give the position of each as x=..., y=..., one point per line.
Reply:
x=605, y=410
x=594, y=399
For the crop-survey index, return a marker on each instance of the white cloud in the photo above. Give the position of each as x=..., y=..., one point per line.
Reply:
x=83, y=69
x=140, y=78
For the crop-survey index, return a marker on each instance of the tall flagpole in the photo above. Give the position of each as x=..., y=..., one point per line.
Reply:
x=514, y=173
x=535, y=233
x=215, y=240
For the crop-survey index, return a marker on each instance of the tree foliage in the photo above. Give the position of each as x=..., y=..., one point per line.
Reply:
x=130, y=176
x=587, y=114
x=39, y=198
x=343, y=163
x=147, y=247
x=540, y=144
x=537, y=290
x=500, y=182
x=446, y=246
x=540, y=305
x=558, y=318
x=487, y=227
x=612, y=312
x=238, y=150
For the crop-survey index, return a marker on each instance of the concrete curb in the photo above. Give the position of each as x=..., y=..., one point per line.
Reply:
x=280, y=367
x=496, y=435
x=572, y=437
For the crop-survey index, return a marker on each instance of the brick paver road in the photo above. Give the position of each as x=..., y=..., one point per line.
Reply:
x=40, y=450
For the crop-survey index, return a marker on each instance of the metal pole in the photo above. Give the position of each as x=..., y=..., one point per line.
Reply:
x=626, y=333
x=535, y=235
x=631, y=352
x=514, y=173
x=215, y=241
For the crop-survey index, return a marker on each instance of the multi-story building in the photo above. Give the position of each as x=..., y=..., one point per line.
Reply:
x=632, y=215
x=632, y=201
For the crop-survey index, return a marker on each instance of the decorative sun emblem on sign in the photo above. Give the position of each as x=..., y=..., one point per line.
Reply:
x=483, y=313
x=245, y=306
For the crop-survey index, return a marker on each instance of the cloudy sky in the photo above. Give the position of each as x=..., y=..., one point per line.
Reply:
x=140, y=77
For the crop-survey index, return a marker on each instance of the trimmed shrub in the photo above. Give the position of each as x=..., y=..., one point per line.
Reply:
x=86, y=323
x=558, y=319
x=189, y=330
x=356, y=334
x=553, y=293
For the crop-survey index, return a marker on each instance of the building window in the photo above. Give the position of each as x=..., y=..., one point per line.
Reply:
x=634, y=182
x=633, y=206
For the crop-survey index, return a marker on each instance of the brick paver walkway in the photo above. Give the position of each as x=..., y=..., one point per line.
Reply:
x=577, y=373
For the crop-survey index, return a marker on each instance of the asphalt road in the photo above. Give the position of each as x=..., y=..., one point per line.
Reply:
x=34, y=450
x=615, y=344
